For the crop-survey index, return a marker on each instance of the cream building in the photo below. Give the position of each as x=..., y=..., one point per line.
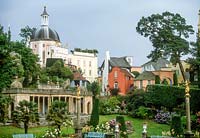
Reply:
x=87, y=62
x=45, y=42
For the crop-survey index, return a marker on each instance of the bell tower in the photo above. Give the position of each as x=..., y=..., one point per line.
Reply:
x=45, y=18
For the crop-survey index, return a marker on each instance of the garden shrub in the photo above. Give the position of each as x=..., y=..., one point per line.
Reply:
x=122, y=126
x=144, y=113
x=172, y=96
x=94, y=120
x=109, y=106
x=176, y=127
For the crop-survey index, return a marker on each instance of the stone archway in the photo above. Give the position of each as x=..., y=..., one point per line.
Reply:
x=169, y=80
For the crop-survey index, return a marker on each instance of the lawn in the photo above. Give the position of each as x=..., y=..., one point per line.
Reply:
x=152, y=129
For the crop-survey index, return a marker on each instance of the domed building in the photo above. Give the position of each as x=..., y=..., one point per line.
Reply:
x=45, y=41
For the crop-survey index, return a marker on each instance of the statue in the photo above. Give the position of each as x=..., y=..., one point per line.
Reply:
x=16, y=83
x=187, y=88
x=78, y=90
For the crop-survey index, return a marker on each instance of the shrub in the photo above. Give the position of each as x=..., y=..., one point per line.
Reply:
x=176, y=127
x=122, y=126
x=144, y=113
x=94, y=120
x=109, y=106
x=114, y=91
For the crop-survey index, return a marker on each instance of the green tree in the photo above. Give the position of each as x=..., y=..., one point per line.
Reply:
x=58, y=114
x=94, y=120
x=195, y=59
x=135, y=73
x=59, y=70
x=26, y=112
x=175, y=79
x=122, y=126
x=26, y=33
x=16, y=59
x=176, y=127
x=168, y=33
x=94, y=88
x=4, y=103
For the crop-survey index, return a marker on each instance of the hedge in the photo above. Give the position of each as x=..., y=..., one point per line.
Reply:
x=172, y=96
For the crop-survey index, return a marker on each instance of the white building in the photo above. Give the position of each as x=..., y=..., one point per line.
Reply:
x=87, y=62
x=46, y=43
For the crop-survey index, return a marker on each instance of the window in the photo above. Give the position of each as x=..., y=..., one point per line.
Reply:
x=116, y=85
x=90, y=63
x=90, y=73
x=115, y=74
x=141, y=84
x=69, y=61
x=149, y=82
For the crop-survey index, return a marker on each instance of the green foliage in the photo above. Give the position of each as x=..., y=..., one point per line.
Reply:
x=135, y=73
x=94, y=87
x=176, y=127
x=109, y=105
x=168, y=33
x=57, y=114
x=194, y=61
x=165, y=96
x=122, y=126
x=175, y=79
x=86, y=50
x=52, y=61
x=94, y=120
x=157, y=79
x=4, y=104
x=56, y=72
x=26, y=112
x=135, y=100
x=26, y=33
x=172, y=97
x=16, y=59
x=114, y=91
x=165, y=82
x=142, y=112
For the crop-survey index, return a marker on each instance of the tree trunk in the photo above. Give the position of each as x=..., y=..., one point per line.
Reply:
x=26, y=127
x=182, y=69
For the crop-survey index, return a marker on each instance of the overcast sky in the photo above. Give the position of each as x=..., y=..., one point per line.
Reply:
x=96, y=24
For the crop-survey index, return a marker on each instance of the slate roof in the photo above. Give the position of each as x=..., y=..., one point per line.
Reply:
x=45, y=33
x=157, y=65
x=146, y=75
x=127, y=72
x=119, y=62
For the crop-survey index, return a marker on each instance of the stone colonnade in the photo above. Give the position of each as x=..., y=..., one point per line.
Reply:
x=44, y=98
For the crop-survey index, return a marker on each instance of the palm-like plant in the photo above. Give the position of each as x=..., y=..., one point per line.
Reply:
x=26, y=112
x=4, y=103
x=57, y=114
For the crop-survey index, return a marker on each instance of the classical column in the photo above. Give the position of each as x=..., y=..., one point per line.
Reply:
x=38, y=104
x=43, y=105
x=188, y=133
x=78, y=129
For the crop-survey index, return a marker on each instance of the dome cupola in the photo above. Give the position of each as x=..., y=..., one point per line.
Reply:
x=44, y=32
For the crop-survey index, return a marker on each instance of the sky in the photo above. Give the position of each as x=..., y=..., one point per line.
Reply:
x=105, y=25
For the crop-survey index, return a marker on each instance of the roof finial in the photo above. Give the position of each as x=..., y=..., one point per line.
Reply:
x=44, y=12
